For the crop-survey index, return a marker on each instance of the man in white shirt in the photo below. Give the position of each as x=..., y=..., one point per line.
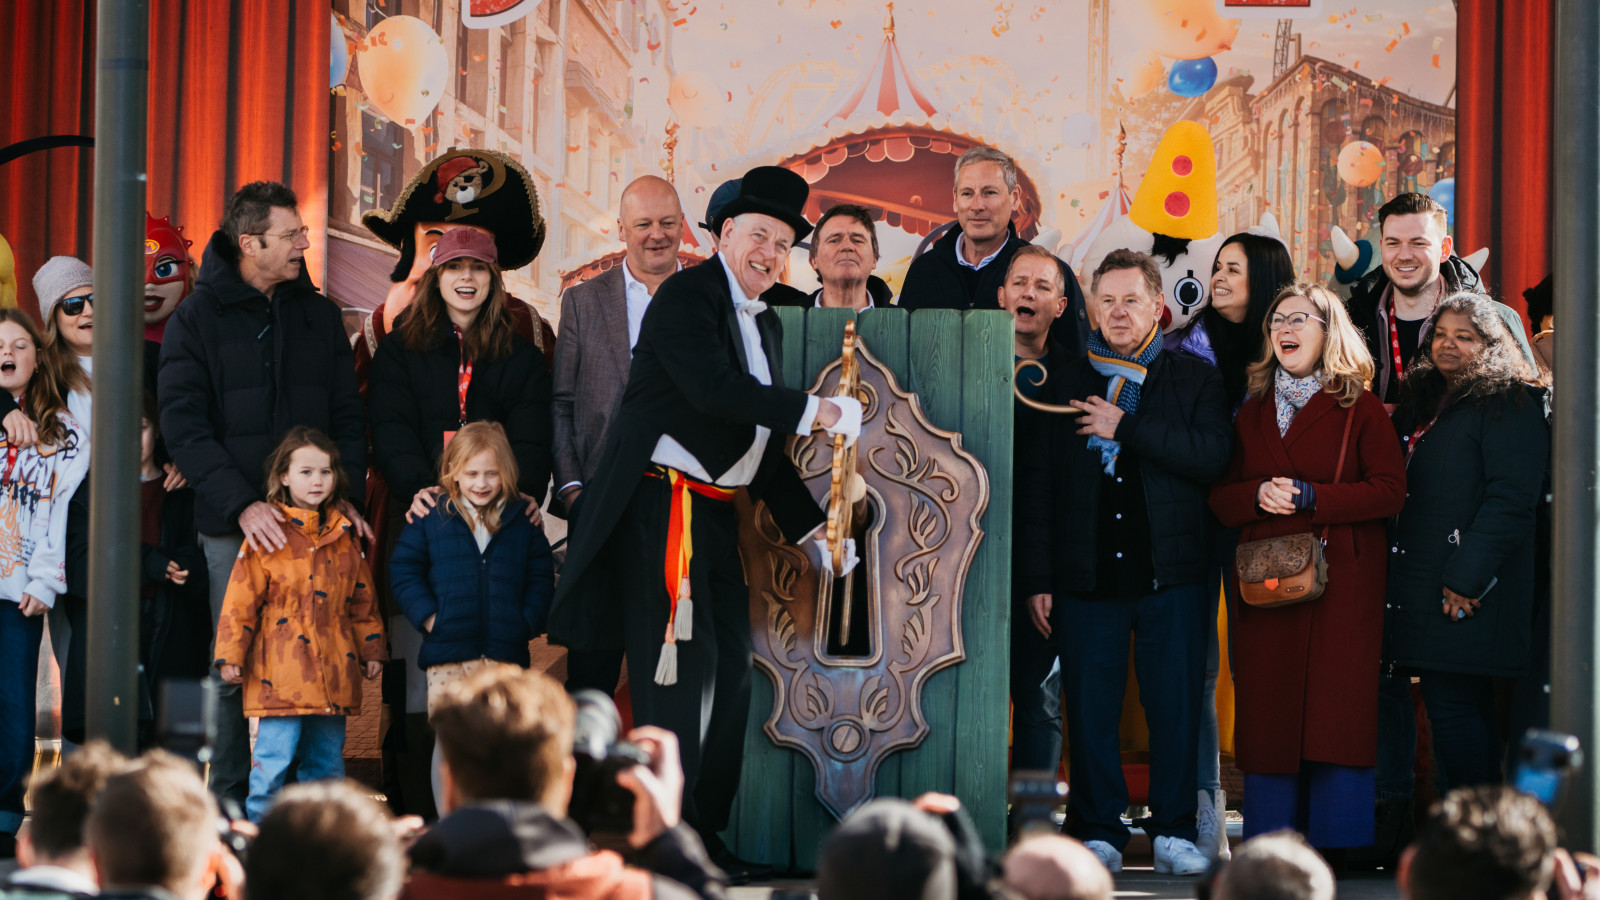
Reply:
x=600, y=321
x=704, y=413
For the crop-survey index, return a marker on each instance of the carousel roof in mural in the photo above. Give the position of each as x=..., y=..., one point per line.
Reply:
x=888, y=87
x=891, y=115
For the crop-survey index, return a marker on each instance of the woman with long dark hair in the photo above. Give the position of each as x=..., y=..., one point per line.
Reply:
x=1249, y=271
x=458, y=359
x=1461, y=573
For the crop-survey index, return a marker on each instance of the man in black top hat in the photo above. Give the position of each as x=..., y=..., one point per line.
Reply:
x=779, y=294
x=704, y=413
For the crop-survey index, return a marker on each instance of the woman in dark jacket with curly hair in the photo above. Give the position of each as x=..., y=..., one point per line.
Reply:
x=1461, y=561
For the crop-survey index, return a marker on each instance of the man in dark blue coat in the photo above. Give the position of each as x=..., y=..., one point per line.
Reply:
x=965, y=267
x=704, y=413
x=253, y=352
x=1114, y=543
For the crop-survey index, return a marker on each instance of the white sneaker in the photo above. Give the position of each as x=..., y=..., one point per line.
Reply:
x=1109, y=856
x=1176, y=856
x=1211, y=820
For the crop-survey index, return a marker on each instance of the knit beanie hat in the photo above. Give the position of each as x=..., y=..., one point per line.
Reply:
x=57, y=278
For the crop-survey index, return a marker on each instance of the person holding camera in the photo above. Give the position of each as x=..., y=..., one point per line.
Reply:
x=507, y=773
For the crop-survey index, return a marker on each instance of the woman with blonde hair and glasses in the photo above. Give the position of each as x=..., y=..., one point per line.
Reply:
x=1315, y=453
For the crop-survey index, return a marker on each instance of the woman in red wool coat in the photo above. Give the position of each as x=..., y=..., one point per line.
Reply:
x=1306, y=676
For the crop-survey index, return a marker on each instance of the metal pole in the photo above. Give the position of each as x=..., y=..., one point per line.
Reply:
x=122, y=75
x=1575, y=557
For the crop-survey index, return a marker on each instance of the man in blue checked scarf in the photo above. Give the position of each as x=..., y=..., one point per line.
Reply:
x=1114, y=542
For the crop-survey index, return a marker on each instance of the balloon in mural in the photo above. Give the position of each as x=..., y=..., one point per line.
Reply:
x=340, y=62
x=1186, y=29
x=403, y=68
x=1192, y=77
x=696, y=100
x=1444, y=191
x=1360, y=163
x=1143, y=74
x=1080, y=130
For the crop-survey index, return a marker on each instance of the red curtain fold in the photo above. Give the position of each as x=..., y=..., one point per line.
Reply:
x=238, y=92
x=1505, y=71
x=45, y=196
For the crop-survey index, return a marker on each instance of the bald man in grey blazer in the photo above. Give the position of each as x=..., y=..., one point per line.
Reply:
x=599, y=326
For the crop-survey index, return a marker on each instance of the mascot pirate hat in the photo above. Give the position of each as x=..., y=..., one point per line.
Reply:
x=467, y=187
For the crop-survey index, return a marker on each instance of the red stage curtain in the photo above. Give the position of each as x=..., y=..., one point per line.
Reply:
x=238, y=92
x=1505, y=69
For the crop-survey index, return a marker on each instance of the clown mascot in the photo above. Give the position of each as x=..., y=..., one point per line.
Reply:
x=1174, y=219
x=169, y=273
x=492, y=193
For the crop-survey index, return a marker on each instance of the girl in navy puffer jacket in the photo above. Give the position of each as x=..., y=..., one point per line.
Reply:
x=473, y=575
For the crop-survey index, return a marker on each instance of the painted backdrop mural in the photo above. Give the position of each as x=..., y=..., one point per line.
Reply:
x=1318, y=111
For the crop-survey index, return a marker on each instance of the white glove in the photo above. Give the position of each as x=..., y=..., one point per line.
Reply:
x=849, y=423
x=826, y=557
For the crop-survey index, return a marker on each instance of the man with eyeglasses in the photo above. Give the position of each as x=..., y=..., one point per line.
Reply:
x=253, y=352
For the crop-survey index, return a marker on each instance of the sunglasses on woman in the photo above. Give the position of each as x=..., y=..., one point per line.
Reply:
x=73, y=306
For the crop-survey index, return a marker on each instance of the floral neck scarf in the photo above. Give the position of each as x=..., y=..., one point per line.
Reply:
x=1292, y=394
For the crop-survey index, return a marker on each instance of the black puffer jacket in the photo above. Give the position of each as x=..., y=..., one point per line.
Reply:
x=238, y=371
x=1472, y=487
x=412, y=400
x=1183, y=437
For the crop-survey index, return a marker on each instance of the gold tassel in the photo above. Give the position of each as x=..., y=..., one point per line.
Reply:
x=683, y=619
x=667, y=666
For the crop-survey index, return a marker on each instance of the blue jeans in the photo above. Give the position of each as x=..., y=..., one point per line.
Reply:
x=317, y=742
x=1035, y=697
x=1168, y=629
x=20, y=637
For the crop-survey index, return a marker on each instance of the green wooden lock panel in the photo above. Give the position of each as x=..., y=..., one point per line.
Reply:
x=960, y=366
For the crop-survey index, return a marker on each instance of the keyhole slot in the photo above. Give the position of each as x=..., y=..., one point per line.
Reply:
x=858, y=587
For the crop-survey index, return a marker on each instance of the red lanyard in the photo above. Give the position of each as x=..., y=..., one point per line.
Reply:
x=1394, y=345
x=1416, y=438
x=463, y=380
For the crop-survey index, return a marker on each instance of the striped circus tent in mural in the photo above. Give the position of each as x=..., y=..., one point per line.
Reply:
x=887, y=88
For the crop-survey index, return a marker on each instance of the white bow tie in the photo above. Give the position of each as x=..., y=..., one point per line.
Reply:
x=751, y=308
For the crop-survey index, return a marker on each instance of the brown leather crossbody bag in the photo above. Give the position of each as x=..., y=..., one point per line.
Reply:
x=1283, y=571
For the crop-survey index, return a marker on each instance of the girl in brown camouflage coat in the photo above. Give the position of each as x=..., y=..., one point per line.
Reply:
x=299, y=623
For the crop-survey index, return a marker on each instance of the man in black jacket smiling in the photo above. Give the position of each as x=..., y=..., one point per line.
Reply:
x=253, y=352
x=965, y=268
x=1113, y=541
